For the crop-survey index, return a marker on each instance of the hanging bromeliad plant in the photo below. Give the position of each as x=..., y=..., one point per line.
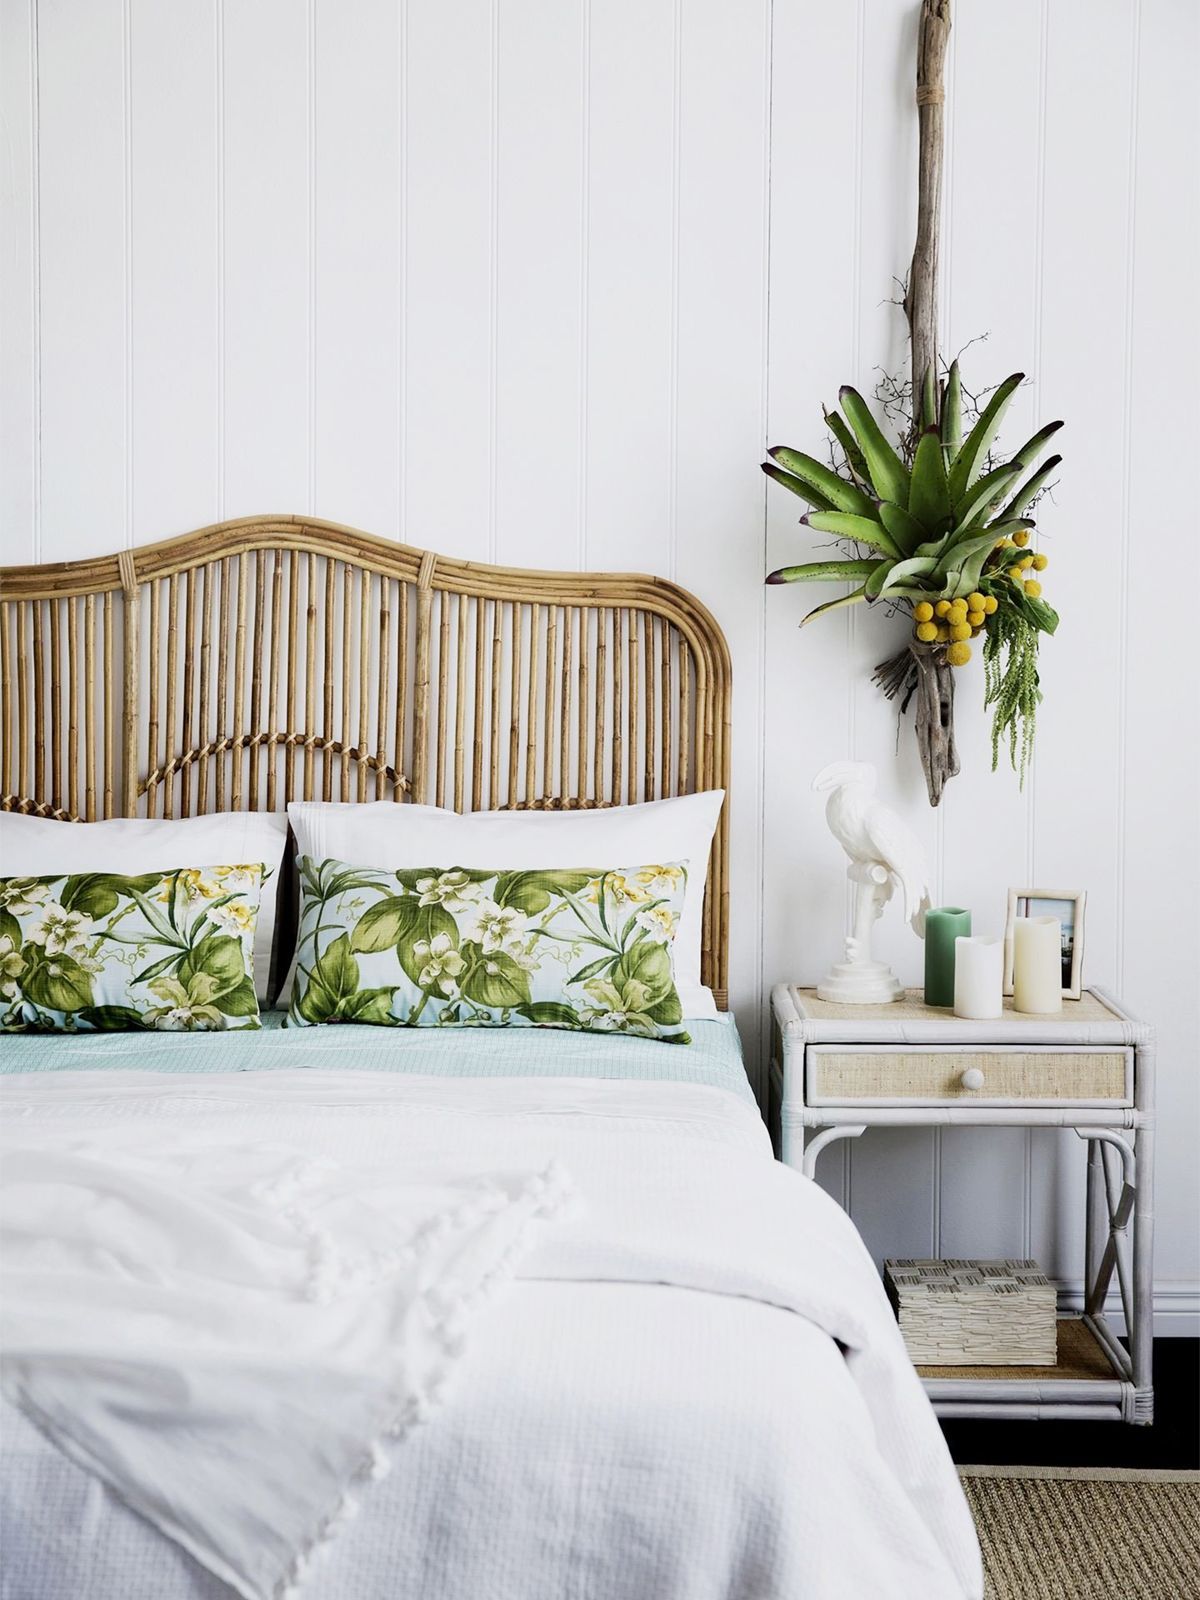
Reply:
x=937, y=524
x=939, y=530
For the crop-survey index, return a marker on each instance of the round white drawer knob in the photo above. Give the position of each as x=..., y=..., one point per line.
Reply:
x=972, y=1078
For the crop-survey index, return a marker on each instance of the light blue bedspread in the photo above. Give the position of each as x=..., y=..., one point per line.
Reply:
x=714, y=1056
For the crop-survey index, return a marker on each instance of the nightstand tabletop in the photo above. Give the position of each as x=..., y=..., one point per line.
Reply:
x=1095, y=1018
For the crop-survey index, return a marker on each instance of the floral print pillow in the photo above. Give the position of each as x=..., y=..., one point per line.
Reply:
x=428, y=946
x=98, y=951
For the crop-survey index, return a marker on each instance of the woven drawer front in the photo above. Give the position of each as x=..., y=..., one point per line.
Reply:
x=938, y=1075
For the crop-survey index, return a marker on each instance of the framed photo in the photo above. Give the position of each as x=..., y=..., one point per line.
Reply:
x=1068, y=906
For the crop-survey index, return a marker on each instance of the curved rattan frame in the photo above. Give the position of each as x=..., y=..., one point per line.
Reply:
x=287, y=657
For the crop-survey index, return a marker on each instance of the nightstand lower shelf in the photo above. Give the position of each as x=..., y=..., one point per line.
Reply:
x=1084, y=1384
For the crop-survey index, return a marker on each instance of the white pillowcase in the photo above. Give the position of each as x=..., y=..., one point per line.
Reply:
x=34, y=846
x=382, y=833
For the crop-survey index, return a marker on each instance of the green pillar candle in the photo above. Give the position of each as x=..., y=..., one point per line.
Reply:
x=942, y=927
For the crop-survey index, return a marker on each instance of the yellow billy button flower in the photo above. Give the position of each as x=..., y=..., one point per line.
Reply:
x=1021, y=537
x=943, y=632
x=958, y=654
x=927, y=632
x=975, y=601
x=1033, y=589
x=923, y=611
x=1040, y=563
x=942, y=608
x=960, y=631
x=990, y=604
x=975, y=618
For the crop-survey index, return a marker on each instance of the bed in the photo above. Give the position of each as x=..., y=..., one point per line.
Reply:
x=685, y=1382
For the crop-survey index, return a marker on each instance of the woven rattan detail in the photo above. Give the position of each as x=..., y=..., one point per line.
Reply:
x=842, y=1075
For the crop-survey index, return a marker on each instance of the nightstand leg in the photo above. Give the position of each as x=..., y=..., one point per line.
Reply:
x=813, y=1147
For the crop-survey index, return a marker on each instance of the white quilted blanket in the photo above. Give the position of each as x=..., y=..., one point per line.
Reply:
x=231, y=1299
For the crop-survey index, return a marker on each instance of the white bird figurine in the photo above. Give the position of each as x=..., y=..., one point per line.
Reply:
x=884, y=854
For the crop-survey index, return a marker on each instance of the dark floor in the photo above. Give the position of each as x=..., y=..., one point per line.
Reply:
x=1172, y=1441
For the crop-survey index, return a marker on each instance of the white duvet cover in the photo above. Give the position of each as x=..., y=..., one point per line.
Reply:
x=694, y=1389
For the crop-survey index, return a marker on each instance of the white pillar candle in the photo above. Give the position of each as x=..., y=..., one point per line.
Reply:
x=1037, y=964
x=978, y=977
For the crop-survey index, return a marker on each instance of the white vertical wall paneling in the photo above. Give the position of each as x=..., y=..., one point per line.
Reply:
x=447, y=234
x=627, y=331
x=19, y=401
x=495, y=280
x=1161, y=778
x=1085, y=353
x=895, y=1216
x=268, y=333
x=805, y=708
x=174, y=269
x=357, y=265
x=990, y=278
x=83, y=356
x=719, y=402
x=539, y=277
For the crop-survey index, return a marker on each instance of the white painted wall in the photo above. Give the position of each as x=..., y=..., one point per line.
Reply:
x=535, y=282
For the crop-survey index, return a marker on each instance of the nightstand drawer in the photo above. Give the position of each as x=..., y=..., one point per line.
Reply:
x=839, y=1074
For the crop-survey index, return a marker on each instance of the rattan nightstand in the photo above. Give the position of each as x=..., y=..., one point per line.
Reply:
x=838, y=1070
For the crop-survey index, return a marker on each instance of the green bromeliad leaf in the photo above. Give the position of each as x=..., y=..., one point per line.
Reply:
x=969, y=462
x=929, y=489
x=901, y=577
x=838, y=494
x=905, y=531
x=887, y=472
x=864, y=530
x=825, y=572
x=952, y=412
x=852, y=599
x=855, y=459
x=797, y=486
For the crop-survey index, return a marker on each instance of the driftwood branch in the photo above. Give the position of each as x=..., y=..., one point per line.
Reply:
x=920, y=301
x=922, y=670
x=926, y=674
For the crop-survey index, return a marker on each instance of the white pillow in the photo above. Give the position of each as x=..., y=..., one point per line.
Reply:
x=33, y=846
x=382, y=833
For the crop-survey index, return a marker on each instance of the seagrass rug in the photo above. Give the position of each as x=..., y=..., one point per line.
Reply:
x=1073, y=1533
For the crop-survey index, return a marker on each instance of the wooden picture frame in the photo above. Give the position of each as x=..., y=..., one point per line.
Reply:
x=1020, y=903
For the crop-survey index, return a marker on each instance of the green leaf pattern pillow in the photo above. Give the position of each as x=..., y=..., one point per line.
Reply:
x=587, y=949
x=99, y=951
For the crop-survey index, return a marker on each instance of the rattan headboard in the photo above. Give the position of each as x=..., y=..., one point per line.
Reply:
x=282, y=658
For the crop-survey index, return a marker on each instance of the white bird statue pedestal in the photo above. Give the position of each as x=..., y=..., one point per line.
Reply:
x=885, y=854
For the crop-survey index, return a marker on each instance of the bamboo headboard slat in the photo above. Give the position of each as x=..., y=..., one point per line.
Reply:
x=279, y=658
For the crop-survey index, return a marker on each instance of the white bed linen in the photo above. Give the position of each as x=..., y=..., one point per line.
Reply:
x=610, y=1436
